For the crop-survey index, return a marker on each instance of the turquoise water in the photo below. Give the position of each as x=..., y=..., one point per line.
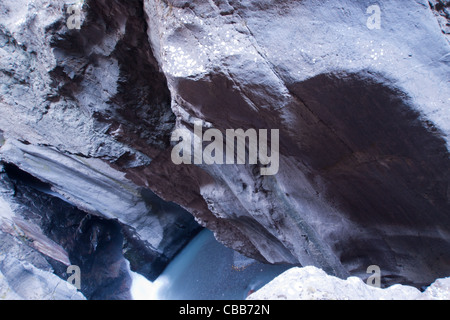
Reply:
x=207, y=270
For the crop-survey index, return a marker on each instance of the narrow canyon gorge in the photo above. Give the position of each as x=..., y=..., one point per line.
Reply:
x=91, y=93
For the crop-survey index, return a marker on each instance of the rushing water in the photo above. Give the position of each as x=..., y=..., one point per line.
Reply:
x=206, y=270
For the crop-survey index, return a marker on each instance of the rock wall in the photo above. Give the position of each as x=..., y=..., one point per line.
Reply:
x=361, y=109
x=363, y=120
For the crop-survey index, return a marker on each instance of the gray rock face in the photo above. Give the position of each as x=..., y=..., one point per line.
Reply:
x=359, y=95
x=23, y=281
x=363, y=119
x=77, y=106
x=65, y=235
x=26, y=275
x=442, y=13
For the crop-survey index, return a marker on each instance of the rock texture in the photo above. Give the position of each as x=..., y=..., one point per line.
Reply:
x=441, y=10
x=54, y=231
x=77, y=106
x=64, y=235
x=311, y=283
x=362, y=113
x=23, y=281
x=26, y=275
x=363, y=119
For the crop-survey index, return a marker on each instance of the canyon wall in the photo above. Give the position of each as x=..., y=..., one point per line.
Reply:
x=359, y=93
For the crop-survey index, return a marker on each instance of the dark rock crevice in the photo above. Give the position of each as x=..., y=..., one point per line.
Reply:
x=362, y=115
x=392, y=149
x=441, y=9
x=92, y=243
x=97, y=245
x=136, y=109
